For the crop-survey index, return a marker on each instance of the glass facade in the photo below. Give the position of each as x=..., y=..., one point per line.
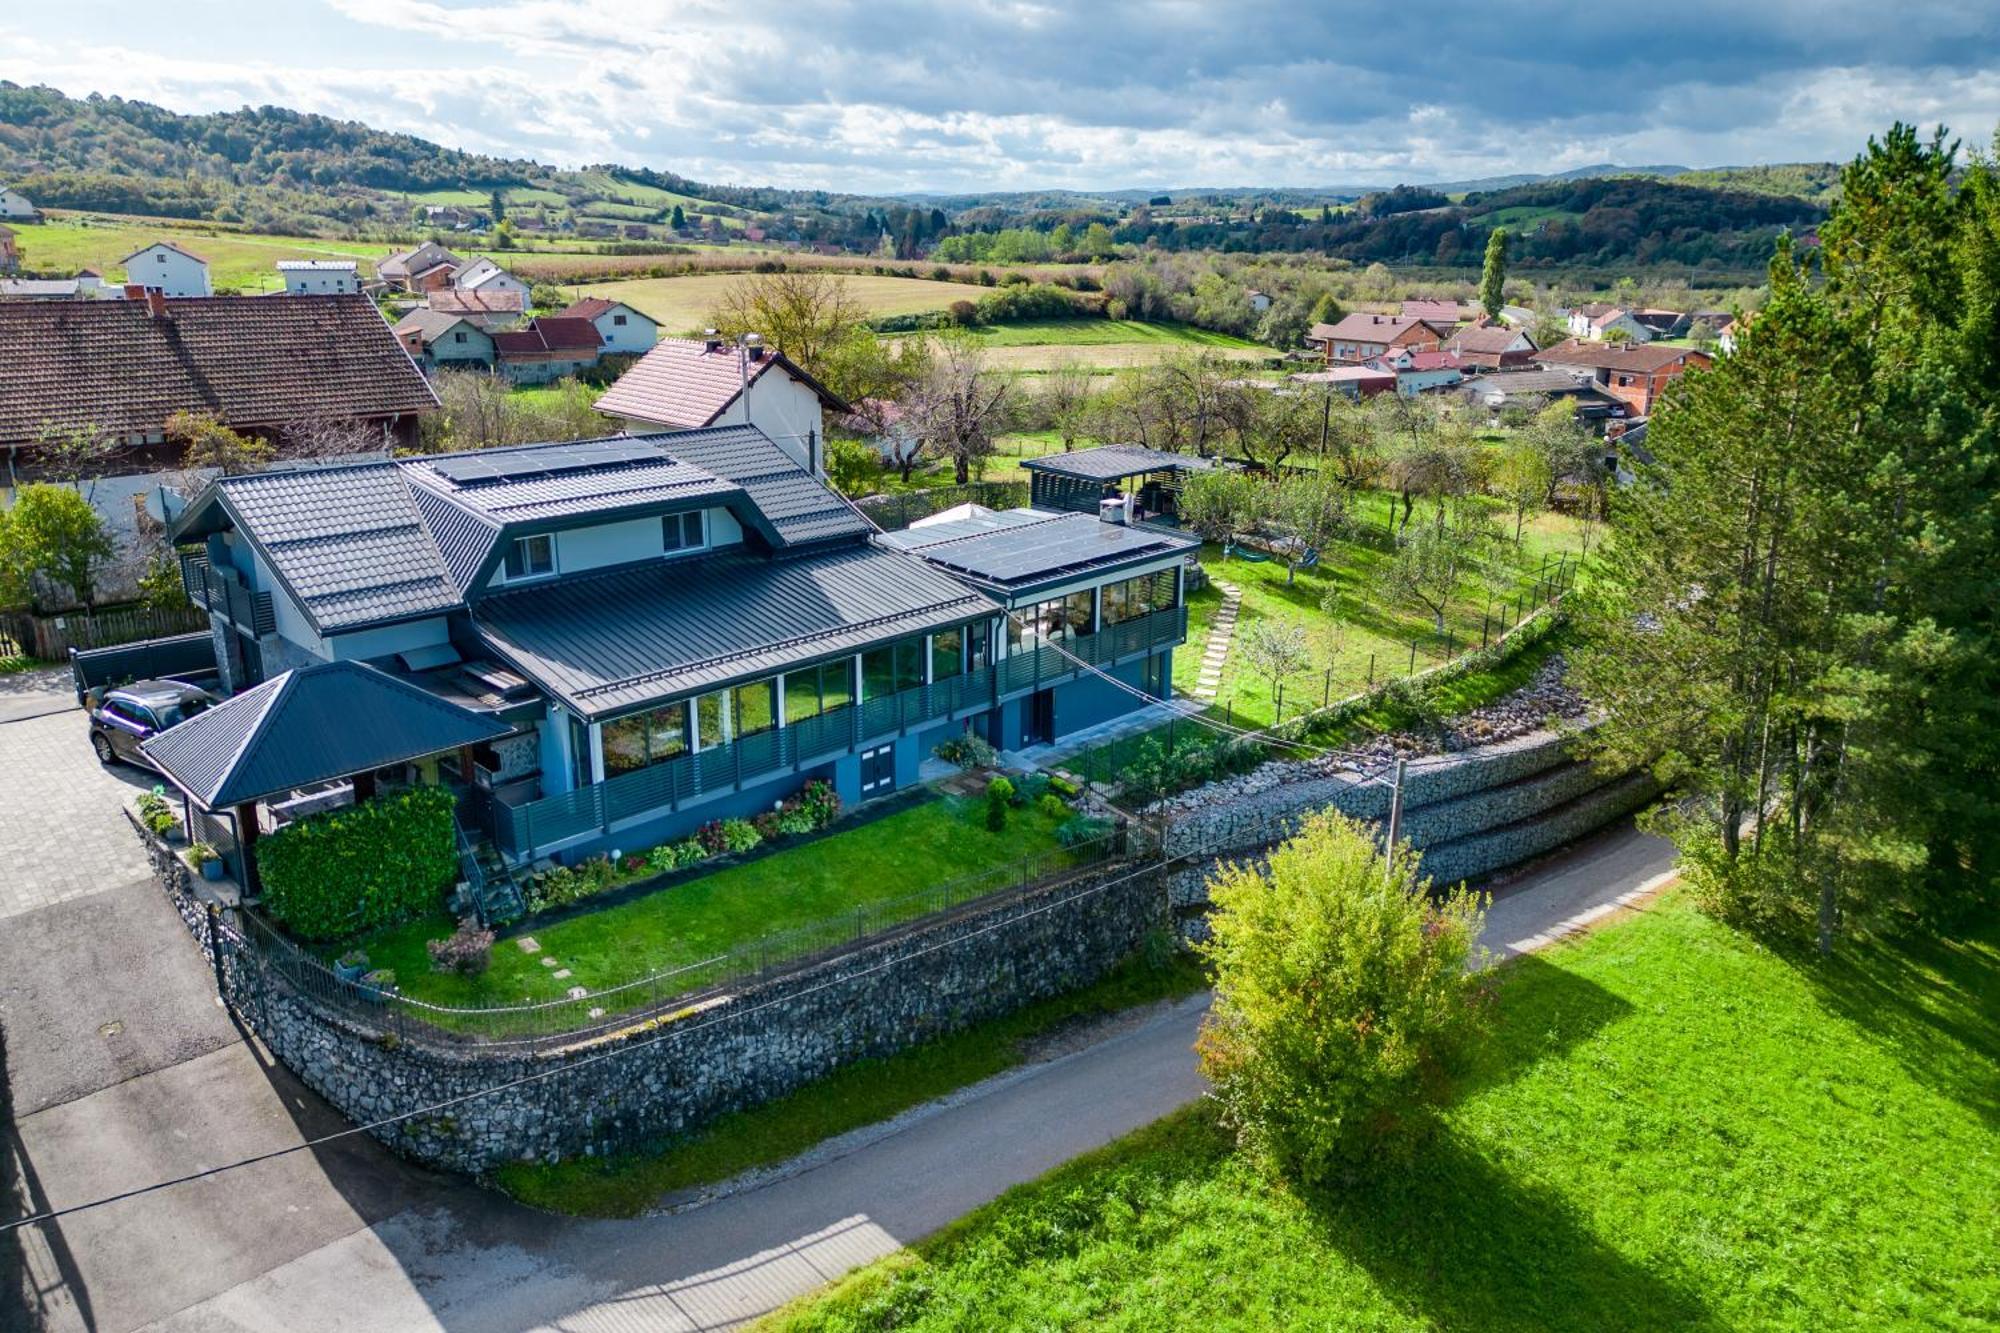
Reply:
x=813, y=690
x=643, y=739
x=1133, y=598
x=711, y=719
x=1047, y=622
x=948, y=652
x=892, y=668
x=753, y=708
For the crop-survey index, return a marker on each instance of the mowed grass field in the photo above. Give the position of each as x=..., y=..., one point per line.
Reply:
x=1673, y=1128
x=682, y=304
x=1105, y=344
x=237, y=260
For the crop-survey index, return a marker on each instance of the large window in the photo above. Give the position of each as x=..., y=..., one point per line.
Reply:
x=530, y=557
x=813, y=690
x=644, y=738
x=1048, y=622
x=681, y=532
x=711, y=719
x=752, y=708
x=947, y=653
x=1138, y=597
x=892, y=668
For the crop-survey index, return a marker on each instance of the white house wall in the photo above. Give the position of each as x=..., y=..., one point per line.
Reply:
x=637, y=334
x=783, y=409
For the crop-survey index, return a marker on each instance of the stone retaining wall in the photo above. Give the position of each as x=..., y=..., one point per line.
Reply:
x=675, y=1074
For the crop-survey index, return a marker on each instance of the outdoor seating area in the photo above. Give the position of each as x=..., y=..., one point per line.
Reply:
x=1147, y=481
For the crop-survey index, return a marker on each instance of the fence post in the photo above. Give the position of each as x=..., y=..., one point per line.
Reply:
x=1371, y=670
x=1326, y=692
x=1413, y=658
x=1229, y=714
x=1281, y=703
x=214, y=916
x=1485, y=620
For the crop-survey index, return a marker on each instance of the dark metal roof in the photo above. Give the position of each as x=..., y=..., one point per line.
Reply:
x=347, y=541
x=1054, y=546
x=627, y=637
x=553, y=481
x=799, y=505
x=316, y=724
x=1112, y=461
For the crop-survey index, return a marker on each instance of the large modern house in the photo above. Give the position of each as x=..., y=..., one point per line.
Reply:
x=673, y=627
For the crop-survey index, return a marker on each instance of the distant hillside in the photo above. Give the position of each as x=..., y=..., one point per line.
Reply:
x=1816, y=182
x=288, y=171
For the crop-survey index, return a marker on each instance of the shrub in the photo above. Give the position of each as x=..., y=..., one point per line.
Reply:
x=1079, y=829
x=819, y=801
x=632, y=865
x=353, y=958
x=710, y=837
x=998, y=793
x=740, y=835
x=967, y=751
x=1052, y=805
x=794, y=820
x=468, y=951
x=1342, y=1001
x=766, y=825
x=156, y=812
x=361, y=867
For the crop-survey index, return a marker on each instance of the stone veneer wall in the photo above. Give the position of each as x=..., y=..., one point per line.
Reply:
x=676, y=1074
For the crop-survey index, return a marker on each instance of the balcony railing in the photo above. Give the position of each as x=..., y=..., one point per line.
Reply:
x=223, y=591
x=526, y=828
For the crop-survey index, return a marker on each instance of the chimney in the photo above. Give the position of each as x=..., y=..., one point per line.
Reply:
x=711, y=341
x=156, y=303
x=133, y=291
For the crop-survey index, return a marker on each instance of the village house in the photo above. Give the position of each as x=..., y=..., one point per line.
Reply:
x=439, y=341
x=1356, y=382
x=1594, y=322
x=547, y=349
x=623, y=329
x=119, y=369
x=1260, y=302
x=689, y=383
x=490, y=310
x=1444, y=314
x=319, y=277
x=424, y=269
x=1529, y=391
x=85, y=286
x=1663, y=323
x=1360, y=337
x=1635, y=375
x=1420, y=371
x=666, y=629
x=165, y=268
x=483, y=275
x=14, y=204
x=1492, y=346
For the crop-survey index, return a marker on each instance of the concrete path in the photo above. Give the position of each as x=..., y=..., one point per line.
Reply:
x=1216, y=651
x=123, y=1070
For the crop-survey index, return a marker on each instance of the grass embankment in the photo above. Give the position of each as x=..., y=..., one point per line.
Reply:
x=1673, y=1128
x=1365, y=625
x=864, y=1093
x=868, y=865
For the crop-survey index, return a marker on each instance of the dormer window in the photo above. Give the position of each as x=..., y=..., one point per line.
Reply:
x=682, y=532
x=531, y=557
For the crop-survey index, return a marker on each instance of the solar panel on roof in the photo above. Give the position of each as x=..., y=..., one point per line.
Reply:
x=507, y=465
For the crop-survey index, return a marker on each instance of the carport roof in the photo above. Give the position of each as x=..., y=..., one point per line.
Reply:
x=314, y=724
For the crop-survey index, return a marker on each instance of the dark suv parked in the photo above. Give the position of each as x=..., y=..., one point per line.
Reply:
x=131, y=713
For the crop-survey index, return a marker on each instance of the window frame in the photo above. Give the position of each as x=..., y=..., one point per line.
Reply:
x=677, y=525
x=526, y=571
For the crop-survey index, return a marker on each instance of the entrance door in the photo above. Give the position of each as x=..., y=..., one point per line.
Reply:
x=1039, y=718
x=878, y=770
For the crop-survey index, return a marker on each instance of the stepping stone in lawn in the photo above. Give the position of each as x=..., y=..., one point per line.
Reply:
x=529, y=944
x=549, y=962
x=577, y=992
x=597, y=1013
x=561, y=973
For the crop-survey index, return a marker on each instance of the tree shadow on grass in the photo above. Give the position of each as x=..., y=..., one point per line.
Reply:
x=1471, y=1246
x=1933, y=1004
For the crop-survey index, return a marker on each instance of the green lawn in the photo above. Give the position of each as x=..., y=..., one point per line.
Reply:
x=863, y=1093
x=237, y=260
x=1368, y=626
x=682, y=304
x=1673, y=1128
x=870, y=864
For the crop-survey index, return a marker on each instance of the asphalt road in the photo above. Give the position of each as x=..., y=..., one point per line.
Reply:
x=348, y=1237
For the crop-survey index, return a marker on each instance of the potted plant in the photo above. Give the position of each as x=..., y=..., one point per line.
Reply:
x=207, y=860
x=352, y=965
x=380, y=984
x=156, y=812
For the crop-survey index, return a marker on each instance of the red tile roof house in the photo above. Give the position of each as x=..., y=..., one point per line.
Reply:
x=1354, y=381
x=547, y=349
x=689, y=383
x=1493, y=347
x=1444, y=313
x=427, y=268
x=622, y=328
x=258, y=365
x=1419, y=371
x=1359, y=337
x=1636, y=376
x=488, y=309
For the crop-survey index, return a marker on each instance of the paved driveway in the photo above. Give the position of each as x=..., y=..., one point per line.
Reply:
x=118, y=1068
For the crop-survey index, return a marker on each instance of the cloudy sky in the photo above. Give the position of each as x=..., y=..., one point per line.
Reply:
x=883, y=95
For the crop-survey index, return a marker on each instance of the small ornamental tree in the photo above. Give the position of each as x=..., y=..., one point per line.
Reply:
x=1276, y=649
x=52, y=532
x=1343, y=1001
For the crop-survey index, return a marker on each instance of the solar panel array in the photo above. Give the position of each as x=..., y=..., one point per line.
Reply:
x=498, y=465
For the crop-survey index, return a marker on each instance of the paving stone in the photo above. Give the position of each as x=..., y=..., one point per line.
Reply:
x=62, y=828
x=529, y=944
x=560, y=973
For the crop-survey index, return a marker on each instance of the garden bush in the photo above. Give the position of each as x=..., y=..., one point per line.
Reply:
x=156, y=812
x=740, y=835
x=1079, y=829
x=998, y=793
x=967, y=751
x=361, y=867
x=467, y=951
x=1052, y=805
x=1029, y=788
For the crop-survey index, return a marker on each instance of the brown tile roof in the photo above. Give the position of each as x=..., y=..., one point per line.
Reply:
x=1491, y=340
x=1448, y=312
x=252, y=361
x=460, y=301
x=1366, y=328
x=552, y=336
x=682, y=383
x=590, y=307
x=1644, y=359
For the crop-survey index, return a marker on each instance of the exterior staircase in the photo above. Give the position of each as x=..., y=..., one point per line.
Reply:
x=496, y=894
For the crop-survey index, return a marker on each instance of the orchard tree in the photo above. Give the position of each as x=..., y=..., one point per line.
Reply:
x=1429, y=568
x=207, y=443
x=1276, y=650
x=1523, y=478
x=805, y=314
x=959, y=407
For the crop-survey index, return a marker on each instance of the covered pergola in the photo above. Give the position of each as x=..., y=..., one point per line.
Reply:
x=310, y=727
x=1081, y=480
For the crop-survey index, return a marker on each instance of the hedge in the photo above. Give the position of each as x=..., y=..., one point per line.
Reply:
x=361, y=867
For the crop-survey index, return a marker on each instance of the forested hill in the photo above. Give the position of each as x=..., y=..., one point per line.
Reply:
x=278, y=168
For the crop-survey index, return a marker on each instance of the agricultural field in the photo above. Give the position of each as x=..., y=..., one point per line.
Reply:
x=238, y=260
x=1106, y=344
x=682, y=304
x=1673, y=1127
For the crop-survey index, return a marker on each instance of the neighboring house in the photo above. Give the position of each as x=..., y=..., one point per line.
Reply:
x=1419, y=372
x=1521, y=315
x=1354, y=381
x=10, y=250
x=14, y=204
x=1592, y=322
x=1532, y=390
x=1493, y=346
x=319, y=277
x=547, y=349
x=1443, y=313
x=424, y=269
x=672, y=628
x=165, y=268
x=1359, y=337
x=1727, y=332
x=1663, y=323
x=441, y=341
x=623, y=329
x=484, y=276
x=688, y=383
x=85, y=286
x=1634, y=375
x=489, y=310
x=257, y=364
x=1259, y=301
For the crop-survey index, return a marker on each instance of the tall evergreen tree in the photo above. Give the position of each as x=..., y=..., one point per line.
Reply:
x=1493, y=278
